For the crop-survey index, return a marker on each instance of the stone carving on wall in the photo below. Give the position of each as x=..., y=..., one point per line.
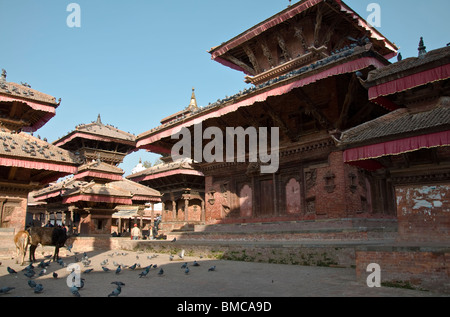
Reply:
x=329, y=182
x=310, y=178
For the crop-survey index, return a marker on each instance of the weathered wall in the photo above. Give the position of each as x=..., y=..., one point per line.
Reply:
x=424, y=212
x=422, y=268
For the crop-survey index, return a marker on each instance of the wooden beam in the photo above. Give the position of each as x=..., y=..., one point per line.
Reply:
x=300, y=36
x=278, y=121
x=349, y=98
x=240, y=63
x=267, y=53
x=317, y=26
x=12, y=173
x=312, y=109
x=252, y=58
x=282, y=45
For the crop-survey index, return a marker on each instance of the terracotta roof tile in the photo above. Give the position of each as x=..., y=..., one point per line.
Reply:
x=400, y=123
x=25, y=146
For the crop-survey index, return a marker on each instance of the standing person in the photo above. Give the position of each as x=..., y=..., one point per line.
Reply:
x=135, y=232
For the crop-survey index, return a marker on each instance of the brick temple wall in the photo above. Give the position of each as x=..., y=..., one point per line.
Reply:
x=421, y=268
x=327, y=189
x=13, y=208
x=424, y=212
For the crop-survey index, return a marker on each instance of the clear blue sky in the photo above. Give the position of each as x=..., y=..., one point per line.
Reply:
x=135, y=62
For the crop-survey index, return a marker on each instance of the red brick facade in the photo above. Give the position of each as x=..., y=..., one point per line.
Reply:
x=423, y=212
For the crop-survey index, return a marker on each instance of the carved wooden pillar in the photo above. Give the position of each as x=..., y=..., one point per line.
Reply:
x=174, y=210
x=186, y=209
x=71, y=211
x=203, y=215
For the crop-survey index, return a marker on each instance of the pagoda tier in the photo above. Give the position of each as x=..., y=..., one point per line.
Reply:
x=91, y=197
x=27, y=163
x=23, y=108
x=298, y=36
x=183, y=192
x=99, y=141
x=307, y=64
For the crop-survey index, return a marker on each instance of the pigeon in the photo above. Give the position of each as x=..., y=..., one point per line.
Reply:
x=88, y=271
x=133, y=267
x=11, y=271
x=32, y=283
x=29, y=267
x=161, y=272
x=184, y=265
x=144, y=273
x=105, y=269
x=30, y=273
x=116, y=292
x=74, y=291
x=171, y=257
x=69, y=247
x=118, y=269
x=104, y=262
x=5, y=290
x=155, y=266
x=42, y=272
x=174, y=239
x=181, y=255
x=212, y=268
x=186, y=271
x=195, y=264
x=55, y=275
x=39, y=288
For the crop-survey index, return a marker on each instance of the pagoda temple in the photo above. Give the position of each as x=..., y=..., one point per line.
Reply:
x=411, y=144
x=305, y=66
x=95, y=198
x=27, y=163
x=181, y=184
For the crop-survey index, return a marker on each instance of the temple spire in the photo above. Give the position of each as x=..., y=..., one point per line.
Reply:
x=99, y=119
x=193, y=104
x=422, y=48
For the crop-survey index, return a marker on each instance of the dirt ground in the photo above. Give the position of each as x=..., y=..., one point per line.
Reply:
x=229, y=279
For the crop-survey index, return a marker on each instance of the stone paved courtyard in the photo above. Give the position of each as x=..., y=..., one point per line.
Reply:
x=230, y=279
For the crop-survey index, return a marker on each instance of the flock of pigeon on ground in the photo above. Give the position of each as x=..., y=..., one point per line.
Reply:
x=30, y=272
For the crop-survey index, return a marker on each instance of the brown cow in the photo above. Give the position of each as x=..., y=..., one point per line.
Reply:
x=21, y=240
x=56, y=237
